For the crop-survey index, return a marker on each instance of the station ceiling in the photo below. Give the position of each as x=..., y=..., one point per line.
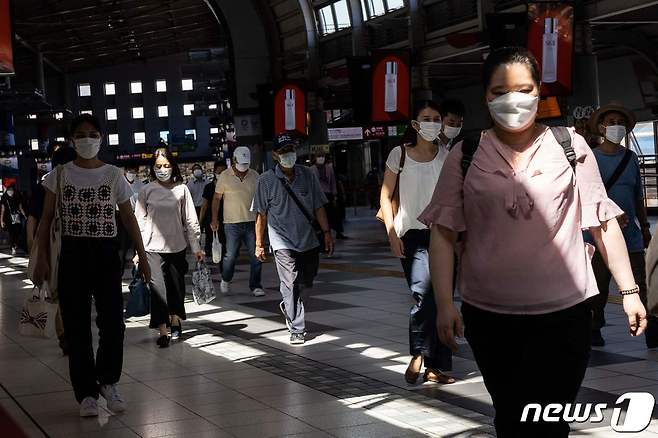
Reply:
x=76, y=35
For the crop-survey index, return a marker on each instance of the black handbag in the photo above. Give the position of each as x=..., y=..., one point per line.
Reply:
x=139, y=301
x=319, y=234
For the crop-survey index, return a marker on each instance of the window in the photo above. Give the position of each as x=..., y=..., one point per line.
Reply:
x=164, y=136
x=111, y=113
x=187, y=84
x=110, y=89
x=190, y=133
x=214, y=130
x=84, y=90
x=138, y=112
x=161, y=86
x=163, y=111
x=136, y=87
x=334, y=17
x=140, y=137
x=113, y=139
x=212, y=106
x=34, y=144
x=59, y=116
x=375, y=8
x=90, y=112
x=187, y=109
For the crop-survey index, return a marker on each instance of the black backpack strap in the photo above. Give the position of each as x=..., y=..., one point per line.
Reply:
x=469, y=147
x=309, y=217
x=619, y=170
x=563, y=137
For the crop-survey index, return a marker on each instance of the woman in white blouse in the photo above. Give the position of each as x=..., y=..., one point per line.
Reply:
x=414, y=169
x=168, y=222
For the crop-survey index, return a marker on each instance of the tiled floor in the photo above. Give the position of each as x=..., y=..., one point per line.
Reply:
x=234, y=374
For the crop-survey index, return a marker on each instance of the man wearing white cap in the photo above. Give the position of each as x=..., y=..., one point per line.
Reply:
x=237, y=185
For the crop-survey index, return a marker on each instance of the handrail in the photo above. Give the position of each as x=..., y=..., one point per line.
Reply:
x=649, y=177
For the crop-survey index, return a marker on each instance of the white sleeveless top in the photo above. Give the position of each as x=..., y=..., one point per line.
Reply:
x=417, y=183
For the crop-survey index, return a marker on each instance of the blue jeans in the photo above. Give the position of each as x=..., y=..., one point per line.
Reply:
x=423, y=337
x=236, y=234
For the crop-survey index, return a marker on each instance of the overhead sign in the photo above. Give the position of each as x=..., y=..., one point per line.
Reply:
x=6, y=39
x=583, y=112
x=550, y=39
x=339, y=134
x=319, y=149
x=548, y=108
x=390, y=85
x=374, y=132
x=397, y=130
x=246, y=125
x=289, y=109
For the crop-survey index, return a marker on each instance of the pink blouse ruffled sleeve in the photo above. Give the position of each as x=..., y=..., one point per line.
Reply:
x=596, y=207
x=447, y=205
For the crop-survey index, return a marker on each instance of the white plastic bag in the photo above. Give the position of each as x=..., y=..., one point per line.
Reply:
x=38, y=315
x=216, y=248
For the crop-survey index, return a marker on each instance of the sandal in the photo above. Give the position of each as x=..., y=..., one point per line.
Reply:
x=411, y=375
x=436, y=376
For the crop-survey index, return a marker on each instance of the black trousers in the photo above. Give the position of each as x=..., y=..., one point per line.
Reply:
x=91, y=267
x=15, y=231
x=333, y=213
x=529, y=359
x=423, y=338
x=167, y=286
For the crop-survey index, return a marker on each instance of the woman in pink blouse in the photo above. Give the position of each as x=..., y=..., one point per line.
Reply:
x=525, y=270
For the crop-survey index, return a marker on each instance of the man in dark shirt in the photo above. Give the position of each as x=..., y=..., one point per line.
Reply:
x=205, y=216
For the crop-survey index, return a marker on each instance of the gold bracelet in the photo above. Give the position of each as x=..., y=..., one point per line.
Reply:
x=635, y=290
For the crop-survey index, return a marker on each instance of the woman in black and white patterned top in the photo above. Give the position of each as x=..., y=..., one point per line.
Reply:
x=89, y=264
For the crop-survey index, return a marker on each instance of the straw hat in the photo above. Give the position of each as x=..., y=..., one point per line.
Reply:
x=612, y=106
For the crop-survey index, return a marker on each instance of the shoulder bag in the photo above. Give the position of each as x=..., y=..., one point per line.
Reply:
x=319, y=234
x=395, y=200
x=55, y=241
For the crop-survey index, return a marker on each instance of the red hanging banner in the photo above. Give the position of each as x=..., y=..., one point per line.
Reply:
x=550, y=39
x=390, y=85
x=6, y=39
x=290, y=109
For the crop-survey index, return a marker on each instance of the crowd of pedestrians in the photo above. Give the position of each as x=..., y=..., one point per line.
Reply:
x=526, y=223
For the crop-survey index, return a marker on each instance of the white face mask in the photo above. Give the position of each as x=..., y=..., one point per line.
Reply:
x=319, y=160
x=130, y=176
x=288, y=159
x=615, y=133
x=429, y=130
x=451, y=132
x=242, y=167
x=514, y=111
x=10, y=193
x=164, y=173
x=86, y=147
x=198, y=173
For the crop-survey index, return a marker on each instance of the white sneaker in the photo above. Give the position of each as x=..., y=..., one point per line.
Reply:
x=115, y=402
x=89, y=407
x=258, y=292
x=225, y=287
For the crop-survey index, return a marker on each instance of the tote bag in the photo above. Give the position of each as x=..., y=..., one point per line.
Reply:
x=38, y=315
x=203, y=289
x=216, y=248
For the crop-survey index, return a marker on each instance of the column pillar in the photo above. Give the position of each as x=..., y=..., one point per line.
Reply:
x=360, y=43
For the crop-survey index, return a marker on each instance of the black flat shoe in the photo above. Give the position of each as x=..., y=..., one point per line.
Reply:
x=163, y=341
x=176, y=331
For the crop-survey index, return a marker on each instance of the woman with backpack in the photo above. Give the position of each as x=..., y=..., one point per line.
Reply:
x=520, y=197
x=12, y=214
x=412, y=171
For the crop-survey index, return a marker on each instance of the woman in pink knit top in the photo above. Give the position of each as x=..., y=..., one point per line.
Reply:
x=525, y=270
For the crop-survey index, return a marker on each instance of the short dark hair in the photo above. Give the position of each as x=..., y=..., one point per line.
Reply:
x=84, y=118
x=63, y=155
x=452, y=106
x=165, y=152
x=506, y=56
x=219, y=163
x=410, y=135
x=196, y=165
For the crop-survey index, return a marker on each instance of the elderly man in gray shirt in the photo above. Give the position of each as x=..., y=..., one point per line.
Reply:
x=290, y=203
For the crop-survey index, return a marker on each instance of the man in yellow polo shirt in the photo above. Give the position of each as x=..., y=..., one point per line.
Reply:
x=237, y=185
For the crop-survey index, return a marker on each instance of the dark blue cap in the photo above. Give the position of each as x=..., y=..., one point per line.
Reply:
x=283, y=140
